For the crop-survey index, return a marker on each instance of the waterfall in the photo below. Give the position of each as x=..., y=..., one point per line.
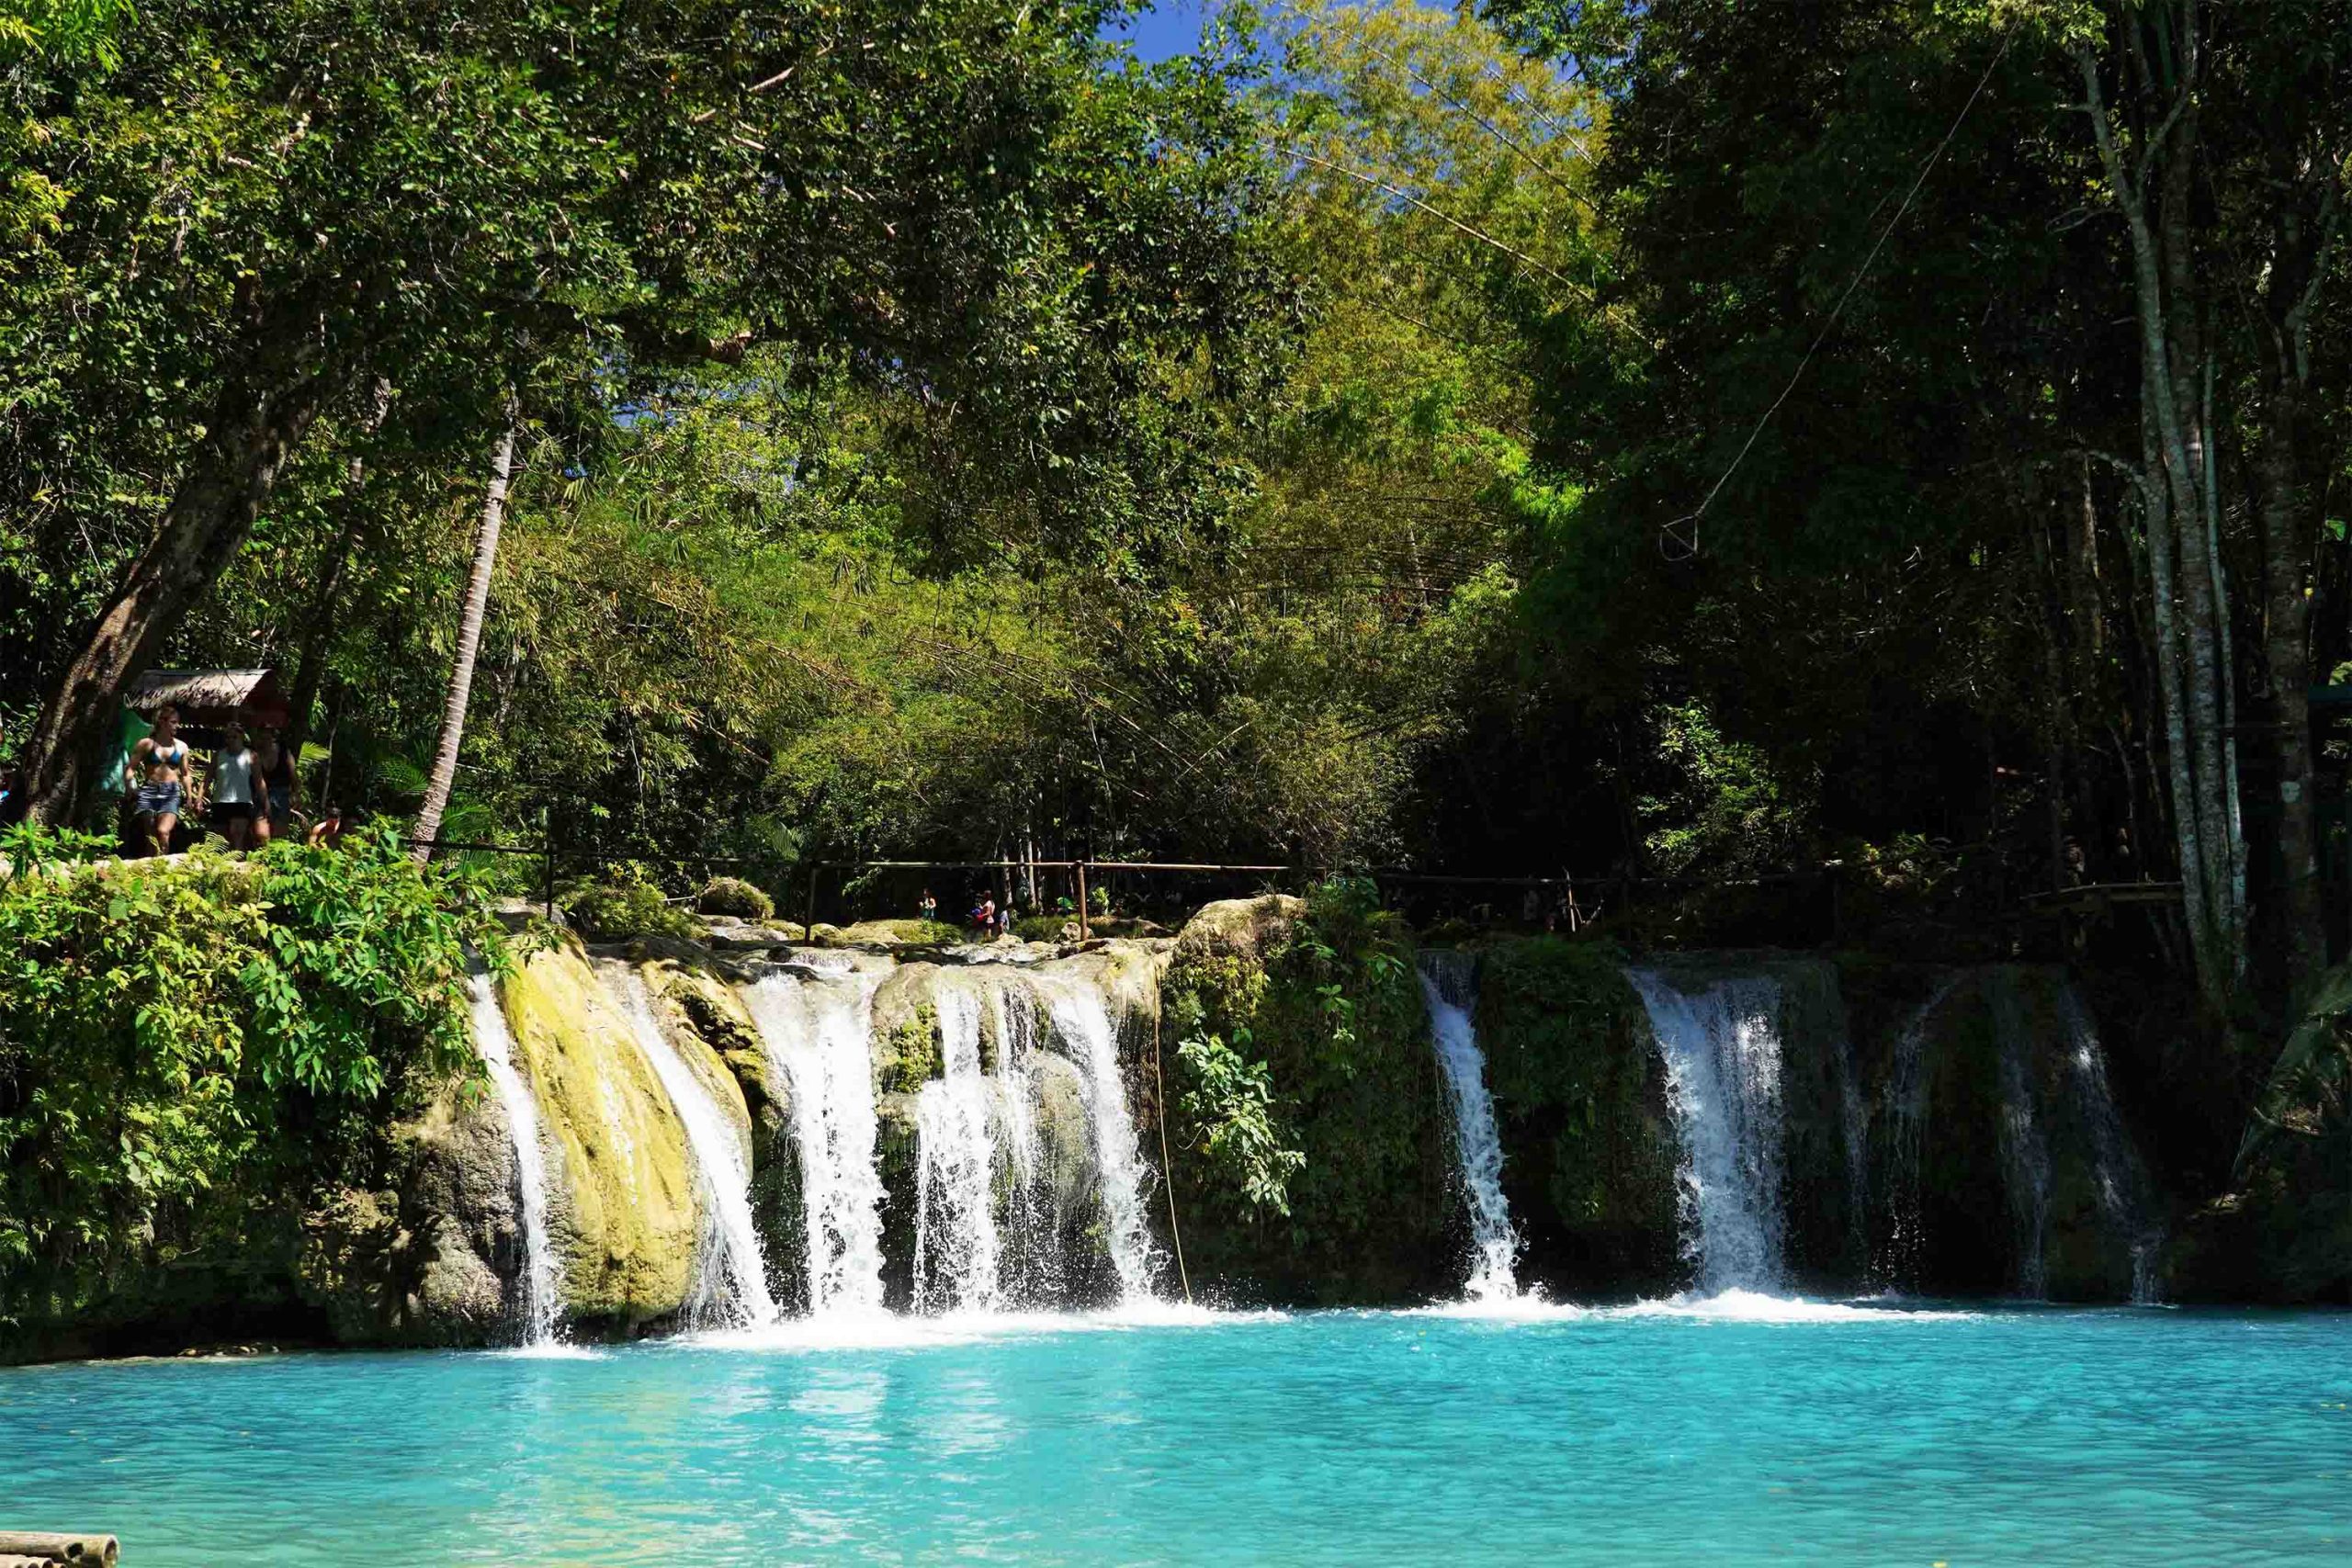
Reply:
x=817, y=1033
x=1721, y=1050
x=733, y=1283
x=1032, y=1235
x=542, y=1284
x=1906, y=1114
x=2025, y=1145
x=1082, y=1020
x=958, y=1245
x=2122, y=1185
x=1495, y=1243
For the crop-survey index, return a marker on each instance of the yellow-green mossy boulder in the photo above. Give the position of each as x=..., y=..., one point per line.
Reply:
x=709, y=1024
x=625, y=1209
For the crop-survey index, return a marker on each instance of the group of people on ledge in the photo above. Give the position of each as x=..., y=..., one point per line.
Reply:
x=247, y=790
x=985, y=918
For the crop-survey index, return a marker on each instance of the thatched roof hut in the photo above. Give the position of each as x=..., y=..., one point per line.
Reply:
x=207, y=699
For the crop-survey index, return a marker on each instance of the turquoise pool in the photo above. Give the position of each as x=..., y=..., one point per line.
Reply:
x=1647, y=1436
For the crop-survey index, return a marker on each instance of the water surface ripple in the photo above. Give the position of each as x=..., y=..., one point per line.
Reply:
x=1656, y=1436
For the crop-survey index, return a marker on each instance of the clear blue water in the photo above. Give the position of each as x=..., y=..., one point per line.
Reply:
x=2000, y=1436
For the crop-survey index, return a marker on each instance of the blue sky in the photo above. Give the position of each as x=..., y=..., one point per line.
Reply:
x=1171, y=27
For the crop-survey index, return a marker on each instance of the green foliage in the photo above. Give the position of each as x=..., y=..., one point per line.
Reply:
x=1311, y=1041
x=183, y=1046
x=627, y=903
x=1571, y=1069
x=733, y=896
x=1228, y=1102
x=1725, y=809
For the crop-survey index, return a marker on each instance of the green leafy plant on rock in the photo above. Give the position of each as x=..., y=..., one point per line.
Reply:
x=1307, y=1098
x=1230, y=1101
x=627, y=903
x=188, y=1047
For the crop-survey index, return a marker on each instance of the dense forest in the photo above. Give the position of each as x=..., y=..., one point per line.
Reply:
x=1694, y=440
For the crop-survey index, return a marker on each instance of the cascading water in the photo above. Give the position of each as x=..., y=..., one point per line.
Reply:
x=1031, y=1232
x=542, y=1285
x=1899, y=1263
x=2122, y=1185
x=2025, y=1145
x=817, y=1031
x=1721, y=1050
x=958, y=1245
x=732, y=1288
x=1446, y=981
x=1082, y=1020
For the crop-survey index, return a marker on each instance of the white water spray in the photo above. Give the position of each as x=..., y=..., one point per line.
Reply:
x=2122, y=1184
x=1082, y=1021
x=1907, y=1116
x=2025, y=1143
x=817, y=1032
x=732, y=1288
x=1494, y=1245
x=1722, y=1050
x=1032, y=1230
x=542, y=1283
x=958, y=1245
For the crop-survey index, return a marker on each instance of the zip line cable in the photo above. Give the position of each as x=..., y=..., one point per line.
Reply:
x=1673, y=543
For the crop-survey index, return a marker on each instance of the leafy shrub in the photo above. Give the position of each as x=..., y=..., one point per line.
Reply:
x=185, y=1044
x=1306, y=1088
x=733, y=896
x=1231, y=1102
x=627, y=903
x=1044, y=928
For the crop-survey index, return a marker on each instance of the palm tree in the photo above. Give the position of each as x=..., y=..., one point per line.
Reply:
x=461, y=675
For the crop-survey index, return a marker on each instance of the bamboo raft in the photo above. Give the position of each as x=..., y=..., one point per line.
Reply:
x=35, y=1549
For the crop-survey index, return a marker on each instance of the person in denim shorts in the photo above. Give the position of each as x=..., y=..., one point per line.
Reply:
x=157, y=774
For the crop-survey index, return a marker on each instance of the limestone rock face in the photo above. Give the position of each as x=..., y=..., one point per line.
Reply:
x=625, y=1211
x=906, y=1030
x=460, y=1199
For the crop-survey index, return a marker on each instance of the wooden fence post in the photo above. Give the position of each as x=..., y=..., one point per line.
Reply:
x=1078, y=870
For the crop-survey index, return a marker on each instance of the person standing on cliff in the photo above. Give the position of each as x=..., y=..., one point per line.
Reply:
x=233, y=778
x=274, y=787
x=156, y=773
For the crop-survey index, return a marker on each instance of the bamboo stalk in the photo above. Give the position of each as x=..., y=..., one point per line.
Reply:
x=44, y=1546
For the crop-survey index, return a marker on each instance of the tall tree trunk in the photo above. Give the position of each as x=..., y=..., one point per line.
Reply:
x=263, y=409
x=461, y=673
x=2303, y=234
x=2174, y=443
x=2286, y=646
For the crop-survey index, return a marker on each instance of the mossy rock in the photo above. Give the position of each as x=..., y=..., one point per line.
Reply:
x=606, y=912
x=626, y=1215
x=733, y=896
x=1590, y=1150
x=1374, y=1211
x=702, y=988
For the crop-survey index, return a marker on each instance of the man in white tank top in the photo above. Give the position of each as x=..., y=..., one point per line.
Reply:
x=233, y=788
